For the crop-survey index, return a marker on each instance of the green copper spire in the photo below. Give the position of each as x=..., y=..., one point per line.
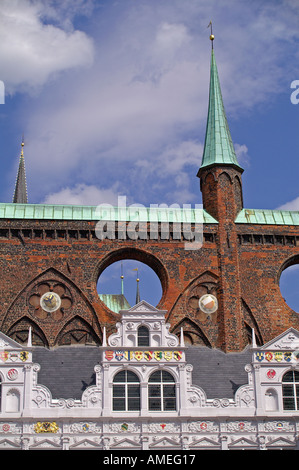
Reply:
x=218, y=148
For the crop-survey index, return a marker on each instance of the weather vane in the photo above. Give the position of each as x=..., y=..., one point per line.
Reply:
x=212, y=37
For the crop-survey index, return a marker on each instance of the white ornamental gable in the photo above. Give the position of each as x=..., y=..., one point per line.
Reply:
x=289, y=340
x=142, y=306
x=8, y=343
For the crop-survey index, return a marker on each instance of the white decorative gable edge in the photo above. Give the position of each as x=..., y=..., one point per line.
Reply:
x=246, y=421
x=142, y=314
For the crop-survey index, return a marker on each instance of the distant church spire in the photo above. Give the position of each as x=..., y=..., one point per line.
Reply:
x=137, y=288
x=218, y=147
x=137, y=292
x=122, y=279
x=20, y=194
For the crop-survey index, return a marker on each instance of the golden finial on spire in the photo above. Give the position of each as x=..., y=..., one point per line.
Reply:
x=122, y=278
x=22, y=146
x=212, y=37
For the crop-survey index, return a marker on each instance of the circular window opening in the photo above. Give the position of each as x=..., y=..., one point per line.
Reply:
x=289, y=286
x=125, y=283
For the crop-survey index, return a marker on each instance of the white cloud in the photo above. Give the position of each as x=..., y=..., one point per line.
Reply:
x=242, y=154
x=138, y=115
x=290, y=206
x=82, y=194
x=32, y=52
x=172, y=160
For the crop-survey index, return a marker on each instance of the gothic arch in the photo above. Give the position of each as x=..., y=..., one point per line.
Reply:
x=209, y=177
x=209, y=182
x=48, y=324
x=192, y=330
x=238, y=193
x=224, y=175
x=77, y=331
x=205, y=277
x=20, y=329
x=250, y=322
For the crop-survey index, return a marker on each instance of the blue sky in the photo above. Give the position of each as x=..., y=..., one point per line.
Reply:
x=112, y=97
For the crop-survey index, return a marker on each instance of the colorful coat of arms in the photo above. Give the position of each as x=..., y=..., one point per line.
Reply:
x=287, y=356
x=138, y=355
x=128, y=355
x=158, y=355
x=13, y=356
x=269, y=356
x=119, y=355
x=168, y=355
x=109, y=355
x=259, y=356
x=4, y=355
x=24, y=355
x=278, y=356
x=148, y=355
x=177, y=355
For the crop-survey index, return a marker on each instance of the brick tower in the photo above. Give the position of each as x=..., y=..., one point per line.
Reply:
x=221, y=187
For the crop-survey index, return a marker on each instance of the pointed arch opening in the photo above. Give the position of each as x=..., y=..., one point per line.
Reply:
x=193, y=334
x=77, y=332
x=20, y=330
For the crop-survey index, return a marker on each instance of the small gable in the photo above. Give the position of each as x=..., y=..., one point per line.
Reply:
x=46, y=444
x=142, y=306
x=86, y=444
x=7, y=444
x=8, y=343
x=280, y=442
x=243, y=443
x=126, y=444
x=287, y=340
x=165, y=443
x=205, y=443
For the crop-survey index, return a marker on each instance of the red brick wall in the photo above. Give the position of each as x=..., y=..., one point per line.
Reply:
x=242, y=272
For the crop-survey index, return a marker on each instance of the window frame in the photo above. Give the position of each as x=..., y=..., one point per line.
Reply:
x=124, y=389
x=143, y=339
x=293, y=390
x=167, y=402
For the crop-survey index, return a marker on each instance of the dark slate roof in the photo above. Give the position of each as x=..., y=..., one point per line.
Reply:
x=217, y=373
x=68, y=371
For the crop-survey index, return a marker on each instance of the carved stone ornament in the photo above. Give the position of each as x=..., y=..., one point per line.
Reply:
x=46, y=427
x=50, y=300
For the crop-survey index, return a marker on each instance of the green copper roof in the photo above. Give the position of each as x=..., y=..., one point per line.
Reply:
x=269, y=217
x=218, y=148
x=115, y=302
x=67, y=212
x=93, y=213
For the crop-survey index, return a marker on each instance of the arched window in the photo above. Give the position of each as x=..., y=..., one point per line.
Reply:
x=126, y=391
x=143, y=336
x=290, y=390
x=161, y=392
